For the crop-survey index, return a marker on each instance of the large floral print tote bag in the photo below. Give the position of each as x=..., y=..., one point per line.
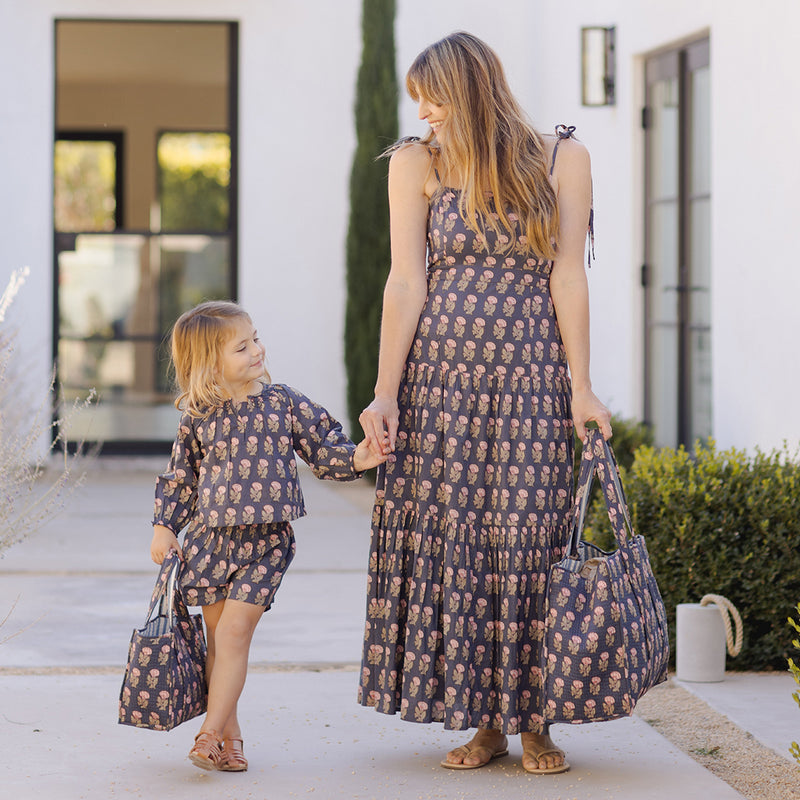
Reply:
x=165, y=682
x=606, y=626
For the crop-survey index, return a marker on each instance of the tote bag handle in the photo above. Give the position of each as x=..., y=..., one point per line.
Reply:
x=166, y=600
x=598, y=457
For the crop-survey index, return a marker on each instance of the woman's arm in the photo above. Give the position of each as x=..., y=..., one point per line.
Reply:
x=405, y=291
x=568, y=285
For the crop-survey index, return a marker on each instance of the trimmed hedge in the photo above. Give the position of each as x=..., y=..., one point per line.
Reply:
x=720, y=522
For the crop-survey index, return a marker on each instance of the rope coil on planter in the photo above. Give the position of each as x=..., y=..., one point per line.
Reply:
x=728, y=610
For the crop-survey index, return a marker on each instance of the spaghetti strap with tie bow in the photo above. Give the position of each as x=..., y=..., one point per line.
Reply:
x=568, y=132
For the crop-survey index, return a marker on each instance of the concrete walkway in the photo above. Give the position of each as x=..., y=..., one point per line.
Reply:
x=82, y=584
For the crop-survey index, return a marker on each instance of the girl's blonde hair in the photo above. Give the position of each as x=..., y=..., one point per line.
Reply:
x=490, y=146
x=197, y=340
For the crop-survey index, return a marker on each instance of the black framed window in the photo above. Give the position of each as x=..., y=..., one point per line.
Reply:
x=194, y=176
x=88, y=172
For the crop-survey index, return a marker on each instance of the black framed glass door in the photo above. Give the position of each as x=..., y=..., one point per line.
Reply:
x=677, y=269
x=140, y=239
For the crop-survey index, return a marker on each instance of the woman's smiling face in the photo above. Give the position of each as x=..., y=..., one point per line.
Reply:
x=436, y=116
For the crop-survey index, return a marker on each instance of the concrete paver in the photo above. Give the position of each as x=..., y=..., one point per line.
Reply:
x=83, y=583
x=760, y=703
x=306, y=737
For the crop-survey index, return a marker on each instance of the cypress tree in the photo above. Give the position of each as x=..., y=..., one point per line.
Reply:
x=368, y=252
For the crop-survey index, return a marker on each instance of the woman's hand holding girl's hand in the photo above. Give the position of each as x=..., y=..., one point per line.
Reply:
x=365, y=458
x=587, y=408
x=164, y=540
x=379, y=421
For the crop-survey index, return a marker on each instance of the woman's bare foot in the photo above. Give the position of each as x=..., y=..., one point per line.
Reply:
x=484, y=746
x=540, y=756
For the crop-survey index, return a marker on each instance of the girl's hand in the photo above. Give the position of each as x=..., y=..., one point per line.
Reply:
x=365, y=458
x=586, y=408
x=164, y=540
x=379, y=421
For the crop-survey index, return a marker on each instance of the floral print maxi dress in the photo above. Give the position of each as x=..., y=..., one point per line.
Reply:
x=473, y=510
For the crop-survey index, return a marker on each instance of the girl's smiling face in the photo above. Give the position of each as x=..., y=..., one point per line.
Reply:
x=241, y=361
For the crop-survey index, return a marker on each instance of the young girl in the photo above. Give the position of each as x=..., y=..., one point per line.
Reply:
x=232, y=480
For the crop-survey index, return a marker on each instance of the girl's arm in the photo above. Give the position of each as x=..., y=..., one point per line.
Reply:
x=164, y=540
x=364, y=458
x=176, y=492
x=568, y=285
x=405, y=291
x=320, y=441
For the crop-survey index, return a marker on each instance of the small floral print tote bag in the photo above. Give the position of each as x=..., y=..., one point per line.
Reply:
x=165, y=683
x=606, y=639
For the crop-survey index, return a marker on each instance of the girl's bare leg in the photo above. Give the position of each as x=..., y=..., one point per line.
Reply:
x=229, y=625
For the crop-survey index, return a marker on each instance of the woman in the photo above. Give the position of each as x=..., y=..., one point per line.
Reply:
x=474, y=392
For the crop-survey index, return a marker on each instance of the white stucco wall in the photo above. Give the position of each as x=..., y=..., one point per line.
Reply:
x=298, y=64
x=26, y=131
x=755, y=226
x=297, y=85
x=755, y=74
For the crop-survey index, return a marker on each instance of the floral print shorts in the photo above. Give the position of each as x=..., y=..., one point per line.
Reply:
x=243, y=562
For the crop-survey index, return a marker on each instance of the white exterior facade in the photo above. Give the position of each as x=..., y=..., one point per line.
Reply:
x=297, y=71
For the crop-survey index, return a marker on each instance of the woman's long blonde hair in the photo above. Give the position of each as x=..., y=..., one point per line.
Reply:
x=490, y=146
x=197, y=340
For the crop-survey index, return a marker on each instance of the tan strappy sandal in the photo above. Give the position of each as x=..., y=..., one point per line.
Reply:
x=207, y=750
x=471, y=748
x=538, y=751
x=233, y=759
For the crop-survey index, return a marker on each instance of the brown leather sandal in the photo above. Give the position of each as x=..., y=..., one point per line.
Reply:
x=207, y=750
x=233, y=759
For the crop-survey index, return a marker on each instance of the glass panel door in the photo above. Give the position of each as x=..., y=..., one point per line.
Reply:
x=119, y=295
x=676, y=274
x=699, y=252
x=663, y=267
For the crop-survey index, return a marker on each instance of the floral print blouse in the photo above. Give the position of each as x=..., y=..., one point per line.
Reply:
x=237, y=466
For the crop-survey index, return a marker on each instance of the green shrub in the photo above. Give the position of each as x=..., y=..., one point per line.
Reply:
x=795, y=670
x=722, y=523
